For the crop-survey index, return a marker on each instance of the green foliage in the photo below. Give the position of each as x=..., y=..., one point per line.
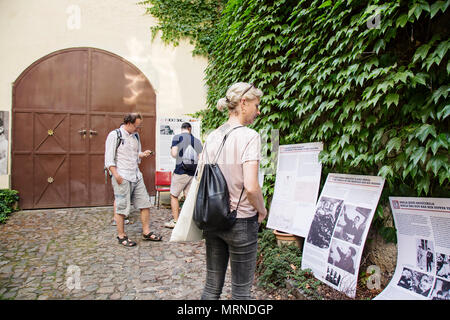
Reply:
x=378, y=98
x=195, y=20
x=8, y=199
x=277, y=264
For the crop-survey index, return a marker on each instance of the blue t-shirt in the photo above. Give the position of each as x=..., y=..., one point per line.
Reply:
x=183, y=140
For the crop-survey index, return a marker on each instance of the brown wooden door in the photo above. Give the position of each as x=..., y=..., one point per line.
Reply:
x=64, y=106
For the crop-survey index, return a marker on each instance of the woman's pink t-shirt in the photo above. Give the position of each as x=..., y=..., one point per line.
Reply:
x=243, y=144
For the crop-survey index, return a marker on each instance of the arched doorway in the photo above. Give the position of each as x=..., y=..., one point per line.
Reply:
x=64, y=105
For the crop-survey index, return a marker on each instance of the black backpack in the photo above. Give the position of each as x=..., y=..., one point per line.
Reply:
x=212, y=208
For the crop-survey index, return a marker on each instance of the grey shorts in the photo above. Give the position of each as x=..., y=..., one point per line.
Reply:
x=130, y=192
x=180, y=182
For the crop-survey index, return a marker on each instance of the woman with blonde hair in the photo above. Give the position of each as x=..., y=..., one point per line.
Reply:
x=239, y=163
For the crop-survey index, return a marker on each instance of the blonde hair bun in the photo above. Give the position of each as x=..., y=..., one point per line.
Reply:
x=222, y=104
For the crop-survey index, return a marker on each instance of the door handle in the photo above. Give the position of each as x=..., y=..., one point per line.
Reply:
x=92, y=133
x=83, y=133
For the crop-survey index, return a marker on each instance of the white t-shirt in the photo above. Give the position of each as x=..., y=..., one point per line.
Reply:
x=242, y=145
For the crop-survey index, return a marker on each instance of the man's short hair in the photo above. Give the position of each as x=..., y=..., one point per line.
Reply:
x=131, y=117
x=186, y=125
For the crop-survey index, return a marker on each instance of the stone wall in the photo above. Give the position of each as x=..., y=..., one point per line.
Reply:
x=380, y=253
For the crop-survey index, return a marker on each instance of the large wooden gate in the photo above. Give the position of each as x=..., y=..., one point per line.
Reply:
x=64, y=106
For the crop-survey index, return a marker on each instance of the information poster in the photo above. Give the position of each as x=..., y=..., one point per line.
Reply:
x=296, y=188
x=166, y=130
x=339, y=229
x=4, y=145
x=423, y=256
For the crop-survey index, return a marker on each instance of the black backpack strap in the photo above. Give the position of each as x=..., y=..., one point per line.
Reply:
x=223, y=143
x=217, y=158
x=119, y=140
x=240, y=198
x=193, y=147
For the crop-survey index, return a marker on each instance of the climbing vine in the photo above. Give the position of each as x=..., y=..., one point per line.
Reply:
x=370, y=79
x=195, y=20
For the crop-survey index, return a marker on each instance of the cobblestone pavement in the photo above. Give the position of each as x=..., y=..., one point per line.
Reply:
x=42, y=252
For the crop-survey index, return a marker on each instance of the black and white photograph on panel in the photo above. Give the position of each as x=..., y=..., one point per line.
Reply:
x=4, y=146
x=333, y=276
x=343, y=256
x=441, y=290
x=416, y=281
x=443, y=265
x=351, y=224
x=166, y=130
x=425, y=255
x=324, y=221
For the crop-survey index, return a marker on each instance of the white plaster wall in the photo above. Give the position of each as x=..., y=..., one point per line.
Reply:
x=31, y=29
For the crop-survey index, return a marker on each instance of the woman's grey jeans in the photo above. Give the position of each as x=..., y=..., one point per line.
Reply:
x=239, y=245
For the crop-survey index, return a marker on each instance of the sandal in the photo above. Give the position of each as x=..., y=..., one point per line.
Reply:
x=126, y=242
x=152, y=237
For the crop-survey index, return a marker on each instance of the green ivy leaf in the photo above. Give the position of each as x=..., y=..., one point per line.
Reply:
x=419, y=155
x=442, y=49
x=386, y=171
x=442, y=140
x=444, y=175
x=371, y=120
x=444, y=112
x=420, y=78
x=400, y=162
x=345, y=139
x=440, y=92
x=411, y=170
x=349, y=151
x=358, y=159
x=392, y=98
x=438, y=5
x=380, y=156
x=402, y=20
x=424, y=130
x=421, y=52
x=394, y=143
x=381, y=44
x=423, y=185
x=401, y=76
x=436, y=162
x=325, y=4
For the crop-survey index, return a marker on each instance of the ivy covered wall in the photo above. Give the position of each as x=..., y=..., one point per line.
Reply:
x=370, y=79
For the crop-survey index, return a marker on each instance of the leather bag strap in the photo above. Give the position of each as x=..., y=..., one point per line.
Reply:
x=223, y=143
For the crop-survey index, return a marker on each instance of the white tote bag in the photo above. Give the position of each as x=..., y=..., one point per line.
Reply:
x=185, y=228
